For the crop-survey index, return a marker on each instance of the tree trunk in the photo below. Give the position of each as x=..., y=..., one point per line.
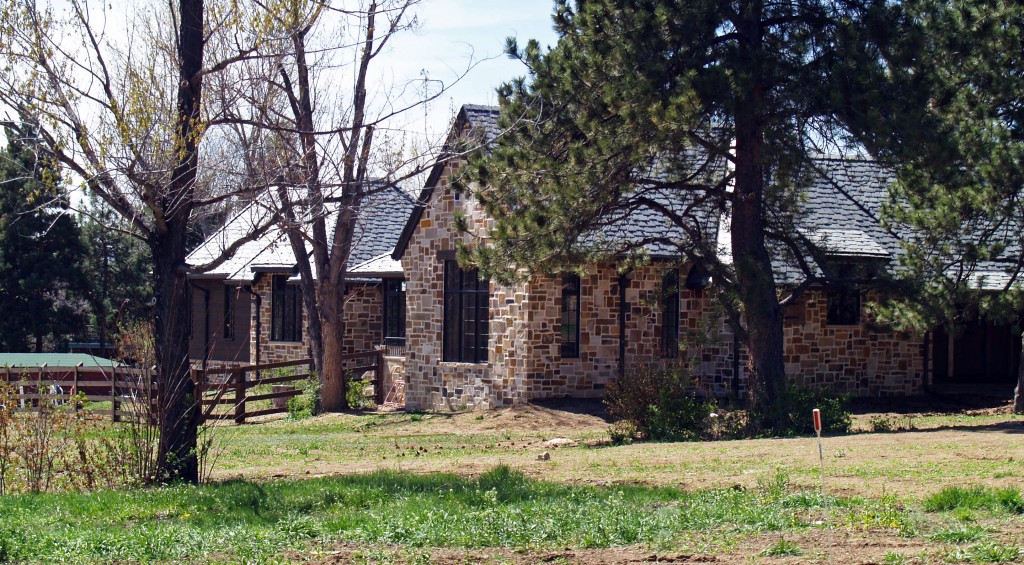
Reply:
x=752, y=262
x=1018, y=394
x=334, y=380
x=177, y=410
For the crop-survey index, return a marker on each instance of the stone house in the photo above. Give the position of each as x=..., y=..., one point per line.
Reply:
x=249, y=310
x=476, y=343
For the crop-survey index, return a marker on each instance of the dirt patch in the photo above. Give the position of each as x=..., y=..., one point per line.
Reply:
x=985, y=444
x=817, y=545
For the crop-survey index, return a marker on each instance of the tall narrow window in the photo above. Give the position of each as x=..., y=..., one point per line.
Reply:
x=570, y=315
x=394, y=309
x=286, y=310
x=843, y=297
x=229, y=312
x=466, y=314
x=670, y=314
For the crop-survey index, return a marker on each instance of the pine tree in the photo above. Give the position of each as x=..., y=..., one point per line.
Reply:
x=718, y=104
x=41, y=284
x=117, y=267
x=962, y=193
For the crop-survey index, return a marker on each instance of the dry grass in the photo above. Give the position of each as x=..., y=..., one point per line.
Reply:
x=987, y=446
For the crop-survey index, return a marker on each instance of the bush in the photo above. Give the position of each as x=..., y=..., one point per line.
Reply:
x=792, y=413
x=659, y=403
x=308, y=403
x=355, y=393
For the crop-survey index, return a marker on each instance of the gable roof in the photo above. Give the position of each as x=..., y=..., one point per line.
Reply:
x=483, y=121
x=839, y=212
x=377, y=229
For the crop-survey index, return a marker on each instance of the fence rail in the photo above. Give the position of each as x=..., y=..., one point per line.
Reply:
x=127, y=389
x=232, y=387
x=132, y=393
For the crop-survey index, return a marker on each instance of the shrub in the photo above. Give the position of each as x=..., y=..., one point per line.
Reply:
x=791, y=415
x=355, y=393
x=308, y=403
x=659, y=403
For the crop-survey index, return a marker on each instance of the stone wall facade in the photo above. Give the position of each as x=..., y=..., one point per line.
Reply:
x=271, y=351
x=857, y=359
x=525, y=362
x=364, y=315
x=430, y=382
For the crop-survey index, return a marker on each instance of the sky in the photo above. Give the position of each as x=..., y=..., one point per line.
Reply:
x=453, y=36
x=454, y=33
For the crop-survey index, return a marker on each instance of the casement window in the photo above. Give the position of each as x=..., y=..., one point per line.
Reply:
x=843, y=297
x=466, y=314
x=229, y=312
x=394, y=309
x=843, y=306
x=285, y=310
x=570, y=316
x=670, y=314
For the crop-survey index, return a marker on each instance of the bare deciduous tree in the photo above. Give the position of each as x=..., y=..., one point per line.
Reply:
x=122, y=109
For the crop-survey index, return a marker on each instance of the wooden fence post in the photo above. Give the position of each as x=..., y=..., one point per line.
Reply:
x=114, y=404
x=239, y=378
x=378, y=384
x=74, y=388
x=198, y=376
x=39, y=387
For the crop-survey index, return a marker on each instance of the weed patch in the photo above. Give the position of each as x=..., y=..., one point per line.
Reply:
x=782, y=548
x=963, y=499
x=251, y=521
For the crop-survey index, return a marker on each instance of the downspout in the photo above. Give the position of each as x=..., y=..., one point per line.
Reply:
x=259, y=303
x=206, y=322
x=925, y=385
x=623, y=283
x=735, y=365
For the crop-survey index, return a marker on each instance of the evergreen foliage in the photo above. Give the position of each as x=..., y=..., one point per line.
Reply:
x=961, y=194
x=117, y=266
x=41, y=282
x=689, y=110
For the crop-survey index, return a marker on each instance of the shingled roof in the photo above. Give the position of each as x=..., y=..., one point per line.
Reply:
x=380, y=222
x=839, y=212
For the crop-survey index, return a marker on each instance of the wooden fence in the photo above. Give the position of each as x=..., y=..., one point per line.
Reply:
x=228, y=393
x=127, y=389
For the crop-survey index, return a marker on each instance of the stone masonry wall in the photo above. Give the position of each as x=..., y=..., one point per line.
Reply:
x=525, y=362
x=274, y=351
x=703, y=336
x=363, y=329
x=860, y=359
x=430, y=382
x=364, y=318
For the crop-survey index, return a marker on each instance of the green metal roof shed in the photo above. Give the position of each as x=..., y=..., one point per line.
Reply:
x=54, y=360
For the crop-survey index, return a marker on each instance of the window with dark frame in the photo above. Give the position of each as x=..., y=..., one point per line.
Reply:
x=285, y=310
x=466, y=314
x=229, y=312
x=670, y=314
x=843, y=297
x=394, y=308
x=843, y=306
x=570, y=315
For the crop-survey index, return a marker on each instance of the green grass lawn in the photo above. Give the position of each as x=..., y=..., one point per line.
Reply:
x=470, y=487
x=246, y=521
